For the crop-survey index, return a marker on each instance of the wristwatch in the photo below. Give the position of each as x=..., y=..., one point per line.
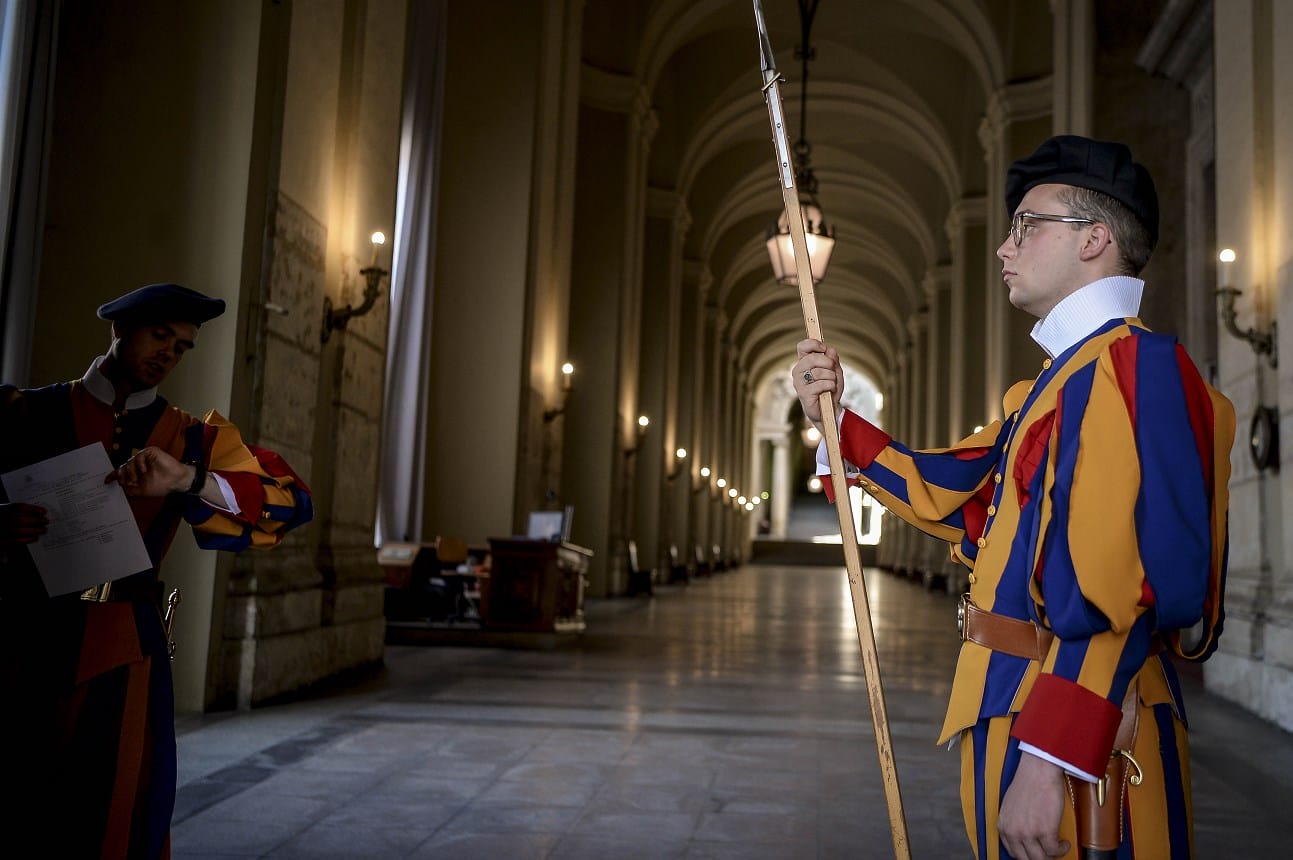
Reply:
x=199, y=479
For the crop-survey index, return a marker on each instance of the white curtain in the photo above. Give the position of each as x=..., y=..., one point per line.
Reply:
x=403, y=464
x=26, y=86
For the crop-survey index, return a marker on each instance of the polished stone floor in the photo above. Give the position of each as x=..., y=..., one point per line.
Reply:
x=727, y=718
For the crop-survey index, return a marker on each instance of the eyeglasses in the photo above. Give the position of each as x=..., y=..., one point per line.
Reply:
x=1017, y=223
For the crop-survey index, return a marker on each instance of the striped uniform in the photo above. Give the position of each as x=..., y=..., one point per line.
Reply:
x=1098, y=509
x=91, y=731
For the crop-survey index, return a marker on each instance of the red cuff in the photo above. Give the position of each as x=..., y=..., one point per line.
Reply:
x=248, y=492
x=860, y=440
x=860, y=443
x=1069, y=722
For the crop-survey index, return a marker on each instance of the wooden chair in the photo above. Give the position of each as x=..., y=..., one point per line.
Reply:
x=452, y=586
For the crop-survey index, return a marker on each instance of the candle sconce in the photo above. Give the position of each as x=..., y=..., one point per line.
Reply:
x=1262, y=342
x=643, y=422
x=567, y=376
x=702, y=483
x=679, y=455
x=334, y=318
x=1263, y=429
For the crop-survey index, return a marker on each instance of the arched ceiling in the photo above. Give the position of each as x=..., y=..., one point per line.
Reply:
x=896, y=94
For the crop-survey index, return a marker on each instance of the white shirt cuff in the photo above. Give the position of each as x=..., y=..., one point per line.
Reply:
x=824, y=457
x=1068, y=768
x=230, y=501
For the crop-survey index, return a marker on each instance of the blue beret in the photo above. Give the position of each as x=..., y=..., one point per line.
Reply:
x=1099, y=165
x=163, y=303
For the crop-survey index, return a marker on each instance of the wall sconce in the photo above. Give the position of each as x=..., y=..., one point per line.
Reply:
x=679, y=455
x=643, y=421
x=373, y=274
x=1261, y=342
x=567, y=373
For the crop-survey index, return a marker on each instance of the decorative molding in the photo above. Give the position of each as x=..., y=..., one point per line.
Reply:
x=917, y=325
x=609, y=91
x=966, y=212
x=937, y=280
x=1014, y=103
x=667, y=204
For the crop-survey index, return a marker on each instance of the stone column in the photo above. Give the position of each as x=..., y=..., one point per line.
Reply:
x=887, y=553
x=936, y=286
x=553, y=210
x=965, y=325
x=742, y=520
x=918, y=378
x=605, y=336
x=937, y=289
x=782, y=487
x=705, y=431
x=699, y=446
x=658, y=377
x=904, y=423
x=689, y=391
x=1018, y=119
x=726, y=449
x=1254, y=175
x=1073, y=40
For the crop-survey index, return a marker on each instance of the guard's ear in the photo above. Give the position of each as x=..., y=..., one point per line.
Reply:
x=1099, y=240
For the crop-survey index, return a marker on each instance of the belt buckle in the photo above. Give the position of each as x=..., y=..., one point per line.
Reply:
x=960, y=615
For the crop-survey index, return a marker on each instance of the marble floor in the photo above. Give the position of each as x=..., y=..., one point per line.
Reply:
x=726, y=718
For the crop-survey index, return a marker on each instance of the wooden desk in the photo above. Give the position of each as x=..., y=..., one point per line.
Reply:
x=535, y=585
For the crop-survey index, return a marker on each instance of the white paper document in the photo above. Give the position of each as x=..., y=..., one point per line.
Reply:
x=92, y=536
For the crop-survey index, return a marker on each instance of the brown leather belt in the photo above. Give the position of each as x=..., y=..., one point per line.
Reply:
x=1002, y=633
x=1011, y=635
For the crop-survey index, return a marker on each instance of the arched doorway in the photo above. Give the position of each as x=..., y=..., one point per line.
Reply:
x=792, y=506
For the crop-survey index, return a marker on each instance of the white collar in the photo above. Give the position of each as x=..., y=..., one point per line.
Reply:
x=101, y=389
x=1085, y=310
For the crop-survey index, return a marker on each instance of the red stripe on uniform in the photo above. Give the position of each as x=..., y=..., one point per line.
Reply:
x=1199, y=405
x=1123, y=354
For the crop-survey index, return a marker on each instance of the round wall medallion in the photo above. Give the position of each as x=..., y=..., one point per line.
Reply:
x=1264, y=438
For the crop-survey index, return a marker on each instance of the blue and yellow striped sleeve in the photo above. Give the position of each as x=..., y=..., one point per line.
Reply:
x=271, y=498
x=944, y=492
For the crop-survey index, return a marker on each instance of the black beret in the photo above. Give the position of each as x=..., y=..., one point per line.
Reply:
x=163, y=303
x=1099, y=165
